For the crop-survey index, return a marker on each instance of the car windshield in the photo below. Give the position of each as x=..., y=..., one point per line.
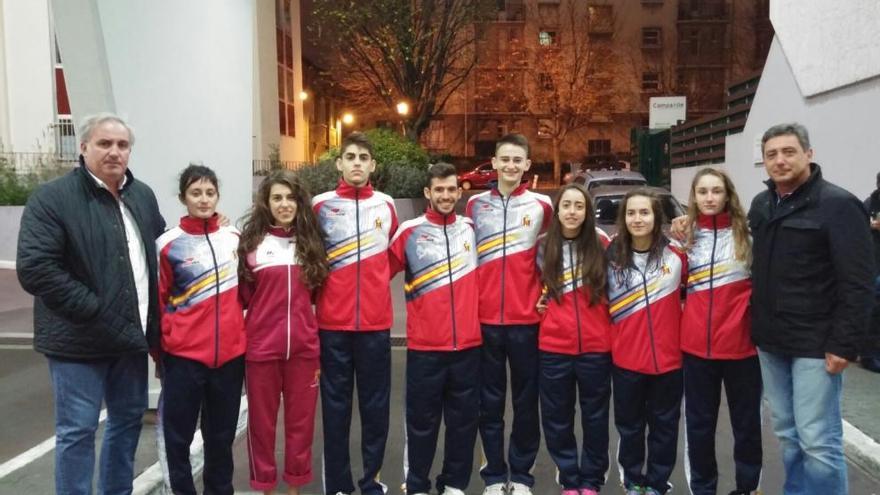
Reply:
x=606, y=208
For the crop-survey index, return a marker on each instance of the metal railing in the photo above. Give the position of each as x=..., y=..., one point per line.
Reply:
x=37, y=163
x=263, y=167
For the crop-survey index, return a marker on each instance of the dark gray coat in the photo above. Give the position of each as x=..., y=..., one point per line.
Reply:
x=812, y=270
x=73, y=257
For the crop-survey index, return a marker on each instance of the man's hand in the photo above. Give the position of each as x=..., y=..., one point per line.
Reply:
x=679, y=229
x=834, y=364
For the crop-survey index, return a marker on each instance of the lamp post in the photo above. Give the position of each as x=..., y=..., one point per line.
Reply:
x=403, y=111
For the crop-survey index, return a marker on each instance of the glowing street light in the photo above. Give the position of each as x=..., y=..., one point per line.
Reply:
x=403, y=108
x=347, y=118
x=303, y=95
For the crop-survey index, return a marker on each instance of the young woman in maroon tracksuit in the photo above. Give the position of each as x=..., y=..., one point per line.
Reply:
x=574, y=341
x=644, y=296
x=203, y=340
x=282, y=260
x=716, y=336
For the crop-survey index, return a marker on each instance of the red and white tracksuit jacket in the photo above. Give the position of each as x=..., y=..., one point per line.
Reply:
x=645, y=307
x=507, y=231
x=280, y=321
x=358, y=223
x=571, y=325
x=440, y=257
x=716, y=321
x=198, y=292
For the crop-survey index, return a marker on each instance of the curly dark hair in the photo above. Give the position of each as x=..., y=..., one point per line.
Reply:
x=309, y=236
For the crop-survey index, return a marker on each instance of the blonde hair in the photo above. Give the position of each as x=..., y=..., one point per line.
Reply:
x=742, y=241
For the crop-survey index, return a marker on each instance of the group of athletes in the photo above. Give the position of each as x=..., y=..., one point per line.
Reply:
x=298, y=303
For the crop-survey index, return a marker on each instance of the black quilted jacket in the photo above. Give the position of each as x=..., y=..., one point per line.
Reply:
x=73, y=257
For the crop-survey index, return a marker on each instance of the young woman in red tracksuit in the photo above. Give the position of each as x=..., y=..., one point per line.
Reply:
x=203, y=340
x=575, y=342
x=282, y=261
x=715, y=336
x=644, y=296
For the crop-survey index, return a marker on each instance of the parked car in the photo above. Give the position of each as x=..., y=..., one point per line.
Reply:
x=606, y=202
x=596, y=178
x=483, y=176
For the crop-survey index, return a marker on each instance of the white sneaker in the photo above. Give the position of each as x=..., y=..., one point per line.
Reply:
x=495, y=489
x=452, y=491
x=519, y=489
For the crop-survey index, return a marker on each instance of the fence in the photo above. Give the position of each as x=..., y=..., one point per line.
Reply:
x=263, y=167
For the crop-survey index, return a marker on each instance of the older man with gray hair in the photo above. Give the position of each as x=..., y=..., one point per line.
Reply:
x=86, y=251
x=811, y=300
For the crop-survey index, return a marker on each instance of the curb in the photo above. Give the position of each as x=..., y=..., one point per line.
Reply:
x=861, y=449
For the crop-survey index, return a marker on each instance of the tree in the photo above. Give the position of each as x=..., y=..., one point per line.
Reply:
x=387, y=51
x=577, y=77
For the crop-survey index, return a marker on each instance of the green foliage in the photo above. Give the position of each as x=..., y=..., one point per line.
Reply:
x=15, y=188
x=318, y=178
x=400, y=166
x=401, y=180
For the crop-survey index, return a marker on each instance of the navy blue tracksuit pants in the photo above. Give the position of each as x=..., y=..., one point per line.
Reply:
x=518, y=346
x=344, y=356
x=654, y=401
x=441, y=385
x=188, y=389
x=703, y=379
x=569, y=380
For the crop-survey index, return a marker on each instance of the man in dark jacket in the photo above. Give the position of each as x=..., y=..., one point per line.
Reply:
x=86, y=251
x=870, y=358
x=812, y=278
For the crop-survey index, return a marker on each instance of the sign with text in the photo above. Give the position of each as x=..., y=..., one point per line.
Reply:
x=666, y=111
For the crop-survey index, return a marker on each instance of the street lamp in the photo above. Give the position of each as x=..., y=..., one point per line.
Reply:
x=403, y=108
x=303, y=95
x=347, y=118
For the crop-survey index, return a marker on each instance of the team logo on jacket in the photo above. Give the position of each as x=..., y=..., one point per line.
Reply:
x=336, y=212
x=665, y=269
x=378, y=224
x=527, y=220
x=467, y=246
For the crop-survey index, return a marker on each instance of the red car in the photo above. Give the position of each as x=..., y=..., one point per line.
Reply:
x=483, y=176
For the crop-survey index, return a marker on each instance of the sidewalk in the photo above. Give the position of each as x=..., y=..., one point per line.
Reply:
x=23, y=374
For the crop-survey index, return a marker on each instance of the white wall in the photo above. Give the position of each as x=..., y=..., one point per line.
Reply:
x=842, y=125
x=27, y=94
x=829, y=44
x=181, y=73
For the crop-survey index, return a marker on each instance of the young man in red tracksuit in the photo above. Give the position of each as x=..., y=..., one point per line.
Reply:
x=438, y=251
x=354, y=318
x=508, y=220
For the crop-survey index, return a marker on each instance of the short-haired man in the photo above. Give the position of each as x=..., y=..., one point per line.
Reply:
x=811, y=298
x=354, y=317
x=438, y=251
x=86, y=251
x=508, y=220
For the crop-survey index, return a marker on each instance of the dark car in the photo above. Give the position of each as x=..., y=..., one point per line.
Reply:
x=606, y=202
x=483, y=176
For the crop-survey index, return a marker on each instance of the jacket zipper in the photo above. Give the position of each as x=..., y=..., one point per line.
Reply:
x=505, y=202
x=650, y=320
x=289, y=308
x=216, y=298
x=574, y=287
x=451, y=290
x=711, y=286
x=357, y=288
